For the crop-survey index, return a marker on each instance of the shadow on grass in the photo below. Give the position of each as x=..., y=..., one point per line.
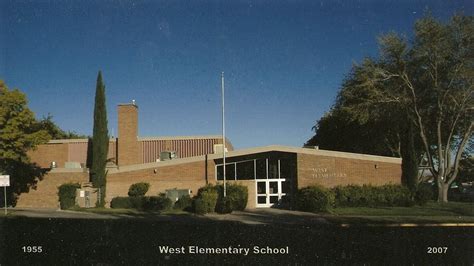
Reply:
x=137, y=241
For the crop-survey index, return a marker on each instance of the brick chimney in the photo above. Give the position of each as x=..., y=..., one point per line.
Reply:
x=127, y=143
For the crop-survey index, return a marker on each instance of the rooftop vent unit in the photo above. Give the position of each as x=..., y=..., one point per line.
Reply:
x=218, y=148
x=311, y=147
x=168, y=155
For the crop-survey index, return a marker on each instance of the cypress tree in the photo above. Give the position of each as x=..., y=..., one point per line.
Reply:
x=100, y=141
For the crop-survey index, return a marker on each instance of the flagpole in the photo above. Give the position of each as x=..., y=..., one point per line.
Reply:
x=223, y=132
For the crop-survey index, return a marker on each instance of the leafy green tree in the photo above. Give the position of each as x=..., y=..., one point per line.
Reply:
x=100, y=141
x=431, y=80
x=48, y=124
x=18, y=126
x=18, y=133
x=341, y=130
x=359, y=122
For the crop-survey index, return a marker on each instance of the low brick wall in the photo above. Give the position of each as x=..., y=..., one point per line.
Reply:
x=46, y=193
x=191, y=176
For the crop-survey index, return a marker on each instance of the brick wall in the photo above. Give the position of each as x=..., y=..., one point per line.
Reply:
x=128, y=146
x=333, y=171
x=47, y=153
x=311, y=169
x=46, y=193
x=69, y=151
x=182, y=176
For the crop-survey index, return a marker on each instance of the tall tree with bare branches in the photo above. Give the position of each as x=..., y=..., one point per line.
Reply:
x=431, y=79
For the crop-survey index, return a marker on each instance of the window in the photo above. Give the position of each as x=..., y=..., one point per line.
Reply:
x=229, y=170
x=286, y=168
x=285, y=187
x=245, y=170
x=261, y=169
x=272, y=168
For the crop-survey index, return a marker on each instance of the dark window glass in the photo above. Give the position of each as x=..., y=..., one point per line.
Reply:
x=285, y=187
x=230, y=172
x=219, y=172
x=262, y=199
x=261, y=169
x=272, y=168
x=286, y=168
x=245, y=170
x=273, y=199
x=273, y=187
x=261, y=188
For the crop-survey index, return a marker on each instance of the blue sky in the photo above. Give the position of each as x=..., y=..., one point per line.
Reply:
x=283, y=61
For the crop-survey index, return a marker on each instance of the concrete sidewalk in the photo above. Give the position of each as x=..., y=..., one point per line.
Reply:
x=270, y=216
x=251, y=217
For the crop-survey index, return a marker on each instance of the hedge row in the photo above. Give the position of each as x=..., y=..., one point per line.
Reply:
x=372, y=196
x=321, y=199
x=153, y=203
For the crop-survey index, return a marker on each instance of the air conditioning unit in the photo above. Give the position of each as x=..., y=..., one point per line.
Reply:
x=168, y=155
x=218, y=148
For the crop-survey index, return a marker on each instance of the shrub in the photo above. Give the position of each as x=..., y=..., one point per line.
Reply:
x=184, y=203
x=239, y=196
x=137, y=202
x=199, y=206
x=348, y=196
x=424, y=193
x=138, y=189
x=121, y=203
x=128, y=203
x=157, y=203
x=314, y=199
x=395, y=195
x=67, y=195
x=235, y=200
x=224, y=205
x=205, y=200
x=372, y=196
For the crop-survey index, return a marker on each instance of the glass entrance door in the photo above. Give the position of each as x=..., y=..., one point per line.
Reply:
x=269, y=192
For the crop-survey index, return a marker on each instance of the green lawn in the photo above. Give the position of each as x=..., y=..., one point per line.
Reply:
x=109, y=211
x=131, y=212
x=433, y=212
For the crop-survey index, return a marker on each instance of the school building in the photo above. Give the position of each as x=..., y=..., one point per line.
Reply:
x=272, y=173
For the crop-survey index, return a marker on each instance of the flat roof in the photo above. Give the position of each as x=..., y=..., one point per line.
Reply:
x=60, y=141
x=242, y=152
x=180, y=137
x=310, y=151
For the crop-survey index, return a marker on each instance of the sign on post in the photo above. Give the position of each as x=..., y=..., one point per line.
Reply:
x=5, y=182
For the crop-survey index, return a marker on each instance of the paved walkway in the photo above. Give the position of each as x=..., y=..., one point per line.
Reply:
x=255, y=216
x=270, y=216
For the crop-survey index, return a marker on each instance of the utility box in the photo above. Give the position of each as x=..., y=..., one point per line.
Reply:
x=86, y=196
x=168, y=155
x=175, y=194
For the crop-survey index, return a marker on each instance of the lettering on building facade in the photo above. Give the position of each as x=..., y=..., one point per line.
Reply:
x=323, y=172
